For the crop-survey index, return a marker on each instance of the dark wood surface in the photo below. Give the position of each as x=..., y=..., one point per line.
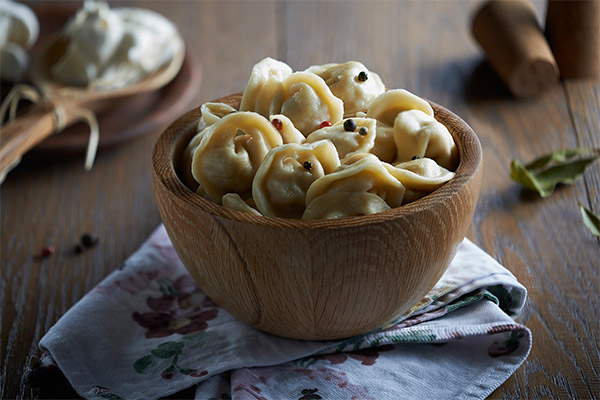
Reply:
x=425, y=47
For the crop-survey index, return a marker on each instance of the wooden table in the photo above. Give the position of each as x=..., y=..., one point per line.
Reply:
x=425, y=47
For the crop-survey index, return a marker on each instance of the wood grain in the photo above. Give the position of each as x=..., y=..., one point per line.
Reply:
x=515, y=46
x=425, y=47
x=295, y=289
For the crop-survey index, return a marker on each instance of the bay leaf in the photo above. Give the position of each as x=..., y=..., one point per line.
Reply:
x=590, y=220
x=562, y=166
x=559, y=156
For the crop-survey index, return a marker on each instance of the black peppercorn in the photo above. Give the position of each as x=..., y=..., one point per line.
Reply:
x=362, y=76
x=363, y=131
x=307, y=165
x=87, y=240
x=349, y=125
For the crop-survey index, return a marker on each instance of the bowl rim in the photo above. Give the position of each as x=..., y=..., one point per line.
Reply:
x=169, y=143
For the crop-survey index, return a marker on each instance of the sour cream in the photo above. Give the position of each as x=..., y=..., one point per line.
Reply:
x=112, y=48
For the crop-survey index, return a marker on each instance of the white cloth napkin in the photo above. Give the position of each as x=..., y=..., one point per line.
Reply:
x=147, y=331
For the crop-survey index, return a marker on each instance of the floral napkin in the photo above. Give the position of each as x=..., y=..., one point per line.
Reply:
x=148, y=331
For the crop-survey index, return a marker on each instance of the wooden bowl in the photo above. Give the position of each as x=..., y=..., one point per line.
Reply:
x=318, y=279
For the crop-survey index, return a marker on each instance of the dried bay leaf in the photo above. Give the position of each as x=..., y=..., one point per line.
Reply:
x=591, y=220
x=562, y=166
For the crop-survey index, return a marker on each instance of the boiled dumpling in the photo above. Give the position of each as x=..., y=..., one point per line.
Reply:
x=286, y=128
x=348, y=136
x=233, y=201
x=342, y=204
x=384, y=146
x=185, y=165
x=388, y=105
x=265, y=70
x=212, y=112
x=420, y=177
x=353, y=83
x=233, y=149
x=308, y=102
x=364, y=175
x=421, y=135
x=280, y=185
x=355, y=157
x=319, y=69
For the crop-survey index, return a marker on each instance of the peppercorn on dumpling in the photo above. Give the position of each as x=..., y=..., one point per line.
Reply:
x=419, y=134
x=286, y=128
x=348, y=136
x=227, y=158
x=280, y=185
x=353, y=83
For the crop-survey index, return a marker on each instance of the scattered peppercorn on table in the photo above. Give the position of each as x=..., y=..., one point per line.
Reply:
x=63, y=229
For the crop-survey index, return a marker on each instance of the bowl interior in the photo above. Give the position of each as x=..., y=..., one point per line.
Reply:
x=173, y=141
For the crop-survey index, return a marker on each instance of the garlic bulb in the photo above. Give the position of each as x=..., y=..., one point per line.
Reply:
x=19, y=29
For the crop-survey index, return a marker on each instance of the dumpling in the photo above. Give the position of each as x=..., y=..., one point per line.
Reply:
x=280, y=185
x=364, y=175
x=185, y=164
x=319, y=69
x=356, y=157
x=286, y=128
x=418, y=134
x=262, y=72
x=420, y=177
x=307, y=101
x=353, y=83
x=342, y=204
x=384, y=146
x=212, y=112
x=272, y=89
x=233, y=201
x=226, y=160
x=348, y=136
x=388, y=105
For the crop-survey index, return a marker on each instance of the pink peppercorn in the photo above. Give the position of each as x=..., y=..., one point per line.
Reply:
x=47, y=251
x=277, y=124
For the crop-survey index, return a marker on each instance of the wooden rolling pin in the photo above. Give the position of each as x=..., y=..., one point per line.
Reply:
x=573, y=31
x=515, y=46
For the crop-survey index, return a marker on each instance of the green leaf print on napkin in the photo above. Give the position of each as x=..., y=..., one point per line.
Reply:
x=165, y=357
